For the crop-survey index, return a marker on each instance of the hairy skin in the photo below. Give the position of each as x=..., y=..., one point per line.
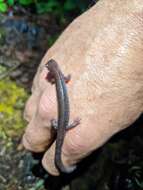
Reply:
x=103, y=51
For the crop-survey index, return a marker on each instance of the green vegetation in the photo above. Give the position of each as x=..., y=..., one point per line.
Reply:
x=39, y=185
x=50, y=6
x=12, y=100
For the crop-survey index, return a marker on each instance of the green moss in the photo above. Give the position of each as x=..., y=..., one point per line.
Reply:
x=12, y=99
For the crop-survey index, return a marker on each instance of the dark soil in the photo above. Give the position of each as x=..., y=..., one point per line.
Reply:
x=23, y=42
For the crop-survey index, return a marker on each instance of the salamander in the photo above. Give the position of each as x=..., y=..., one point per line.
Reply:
x=55, y=76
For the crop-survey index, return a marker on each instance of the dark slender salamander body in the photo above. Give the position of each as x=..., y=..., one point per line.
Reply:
x=56, y=76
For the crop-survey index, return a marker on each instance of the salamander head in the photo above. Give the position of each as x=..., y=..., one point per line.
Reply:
x=52, y=64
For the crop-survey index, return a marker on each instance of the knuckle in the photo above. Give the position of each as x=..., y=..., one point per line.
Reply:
x=36, y=137
x=30, y=108
x=47, y=107
x=43, y=106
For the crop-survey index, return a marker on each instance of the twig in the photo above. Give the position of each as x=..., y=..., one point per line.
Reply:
x=2, y=178
x=7, y=73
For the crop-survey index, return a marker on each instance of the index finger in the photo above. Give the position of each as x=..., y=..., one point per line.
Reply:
x=38, y=134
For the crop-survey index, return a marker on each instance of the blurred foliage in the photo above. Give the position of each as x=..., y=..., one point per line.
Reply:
x=50, y=6
x=12, y=100
x=59, y=8
x=2, y=69
x=118, y=165
x=39, y=185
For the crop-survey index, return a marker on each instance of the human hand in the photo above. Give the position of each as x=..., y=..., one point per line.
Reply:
x=102, y=50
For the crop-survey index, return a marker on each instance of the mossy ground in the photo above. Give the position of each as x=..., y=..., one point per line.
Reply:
x=12, y=100
x=15, y=164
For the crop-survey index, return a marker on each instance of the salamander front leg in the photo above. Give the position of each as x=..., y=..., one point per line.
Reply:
x=67, y=78
x=54, y=124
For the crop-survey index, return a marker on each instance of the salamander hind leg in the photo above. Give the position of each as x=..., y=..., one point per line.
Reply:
x=74, y=124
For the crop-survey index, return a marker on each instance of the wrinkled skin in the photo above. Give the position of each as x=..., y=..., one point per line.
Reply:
x=103, y=51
